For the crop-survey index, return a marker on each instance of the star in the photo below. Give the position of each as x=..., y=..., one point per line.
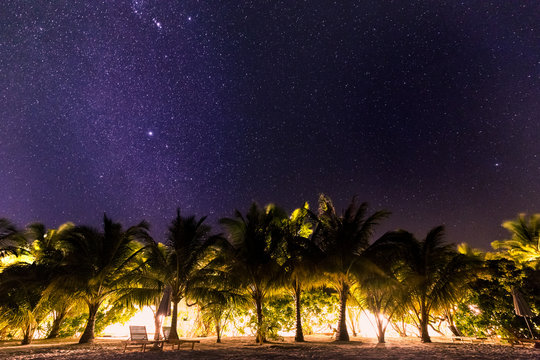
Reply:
x=150, y=133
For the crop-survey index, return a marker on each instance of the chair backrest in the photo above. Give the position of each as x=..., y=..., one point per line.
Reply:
x=166, y=332
x=138, y=333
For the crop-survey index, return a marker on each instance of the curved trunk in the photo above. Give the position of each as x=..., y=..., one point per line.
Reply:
x=158, y=322
x=424, y=320
x=28, y=334
x=218, y=332
x=158, y=325
x=57, y=322
x=351, y=321
x=400, y=327
x=381, y=329
x=299, y=337
x=451, y=325
x=174, y=320
x=260, y=338
x=342, y=334
x=88, y=334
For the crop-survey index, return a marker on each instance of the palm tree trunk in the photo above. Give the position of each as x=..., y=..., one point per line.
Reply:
x=299, y=337
x=28, y=334
x=451, y=325
x=342, y=334
x=88, y=334
x=157, y=324
x=260, y=331
x=399, y=327
x=351, y=321
x=218, y=332
x=424, y=320
x=380, y=328
x=55, y=328
x=174, y=320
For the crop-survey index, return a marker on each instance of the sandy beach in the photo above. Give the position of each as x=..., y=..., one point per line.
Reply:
x=316, y=347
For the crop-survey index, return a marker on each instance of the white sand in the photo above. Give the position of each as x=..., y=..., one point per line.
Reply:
x=316, y=347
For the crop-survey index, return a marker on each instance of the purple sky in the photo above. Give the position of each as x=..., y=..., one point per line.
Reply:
x=428, y=109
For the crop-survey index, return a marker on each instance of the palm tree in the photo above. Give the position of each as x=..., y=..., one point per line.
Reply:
x=342, y=240
x=524, y=246
x=434, y=273
x=189, y=241
x=217, y=292
x=300, y=259
x=46, y=250
x=25, y=282
x=11, y=238
x=97, y=265
x=250, y=254
x=154, y=276
x=380, y=288
x=22, y=302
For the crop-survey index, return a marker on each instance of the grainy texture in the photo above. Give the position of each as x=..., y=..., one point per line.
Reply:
x=317, y=347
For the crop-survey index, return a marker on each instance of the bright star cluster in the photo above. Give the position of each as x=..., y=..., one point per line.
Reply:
x=134, y=108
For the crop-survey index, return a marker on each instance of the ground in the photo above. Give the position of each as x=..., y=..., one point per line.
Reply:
x=316, y=347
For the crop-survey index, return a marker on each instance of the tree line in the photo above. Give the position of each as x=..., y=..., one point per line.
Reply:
x=265, y=252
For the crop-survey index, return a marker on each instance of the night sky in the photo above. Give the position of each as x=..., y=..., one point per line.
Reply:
x=429, y=109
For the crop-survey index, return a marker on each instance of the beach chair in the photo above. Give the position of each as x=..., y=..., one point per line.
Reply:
x=523, y=342
x=177, y=342
x=471, y=339
x=139, y=337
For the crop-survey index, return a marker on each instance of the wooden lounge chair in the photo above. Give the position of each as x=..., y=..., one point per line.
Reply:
x=177, y=342
x=471, y=339
x=139, y=337
x=523, y=342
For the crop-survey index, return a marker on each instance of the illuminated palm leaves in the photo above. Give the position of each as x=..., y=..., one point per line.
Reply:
x=342, y=240
x=524, y=246
x=188, y=241
x=97, y=265
x=254, y=240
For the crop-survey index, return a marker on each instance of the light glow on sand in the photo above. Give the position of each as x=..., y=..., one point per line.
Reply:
x=144, y=317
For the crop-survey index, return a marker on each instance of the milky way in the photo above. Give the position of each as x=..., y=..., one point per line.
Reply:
x=427, y=109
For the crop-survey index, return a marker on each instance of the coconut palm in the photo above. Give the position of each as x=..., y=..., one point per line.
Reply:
x=217, y=292
x=11, y=238
x=22, y=303
x=379, y=286
x=524, y=246
x=153, y=274
x=300, y=260
x=434, y=274
x=250, y=254
x=97, y=265
x=46, y=250
x=25, y=282
x=342, y=239
x=188, y=243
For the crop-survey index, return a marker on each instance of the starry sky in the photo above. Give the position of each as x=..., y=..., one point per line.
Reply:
x=429, y=109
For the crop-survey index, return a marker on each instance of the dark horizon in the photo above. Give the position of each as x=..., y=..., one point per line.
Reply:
x=135, y=108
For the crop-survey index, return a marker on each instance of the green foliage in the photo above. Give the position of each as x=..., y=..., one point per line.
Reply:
x=73, y=325
x=268, y=257
x=317, y=306
x=112, y=314
x=254, y=240
x=524, y=246
x=279, y=316
x=489, y=308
